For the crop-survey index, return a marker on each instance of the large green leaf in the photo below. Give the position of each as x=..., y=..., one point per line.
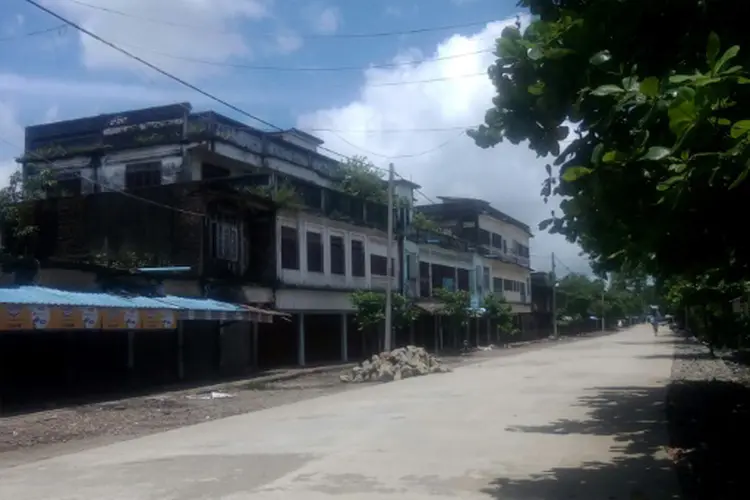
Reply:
x=656, y=153
x=572, y=174
x=650, y=86
x=600, y=58
x=605, y=90
x=740, y=128
x=730, y=54
x=712, y=49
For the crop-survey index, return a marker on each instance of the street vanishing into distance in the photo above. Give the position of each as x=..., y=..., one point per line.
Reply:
x=580, y=420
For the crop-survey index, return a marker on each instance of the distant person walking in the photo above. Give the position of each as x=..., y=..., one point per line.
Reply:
x=654, y=320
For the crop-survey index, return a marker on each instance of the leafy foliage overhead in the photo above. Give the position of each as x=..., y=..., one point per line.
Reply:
x=645, y=107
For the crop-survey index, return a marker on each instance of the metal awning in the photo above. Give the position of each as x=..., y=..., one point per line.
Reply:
x=37, y=298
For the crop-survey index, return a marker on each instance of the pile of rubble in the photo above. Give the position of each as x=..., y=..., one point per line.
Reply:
x=404, y=362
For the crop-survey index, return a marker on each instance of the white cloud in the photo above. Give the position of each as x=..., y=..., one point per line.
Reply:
x=326, y=20
x=508, y=176
x=287, y=42
x=216, y=34
x=11, y=142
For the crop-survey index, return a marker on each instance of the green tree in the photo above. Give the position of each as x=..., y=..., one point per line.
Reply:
x=499, y=312
x=361, y=178
x=658, y=158
x=370, y=310
x=17, y=210
x=457, y=309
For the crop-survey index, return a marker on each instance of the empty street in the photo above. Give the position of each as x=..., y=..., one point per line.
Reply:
x=581, y=420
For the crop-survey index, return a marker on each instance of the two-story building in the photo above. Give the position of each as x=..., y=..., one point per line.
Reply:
x=496, y=247
x=257, y=217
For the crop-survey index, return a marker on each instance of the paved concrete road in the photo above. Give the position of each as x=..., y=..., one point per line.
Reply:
x=575, y=421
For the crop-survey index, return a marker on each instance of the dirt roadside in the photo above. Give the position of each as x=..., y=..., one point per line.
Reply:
x=36, y=436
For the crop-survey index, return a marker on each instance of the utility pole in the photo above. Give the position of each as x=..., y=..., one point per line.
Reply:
x=554, y=298
x=389, y=265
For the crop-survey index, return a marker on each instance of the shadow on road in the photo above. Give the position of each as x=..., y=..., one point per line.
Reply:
x=705, y=442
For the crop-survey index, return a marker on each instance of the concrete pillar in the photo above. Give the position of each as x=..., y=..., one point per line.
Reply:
x=440, y=333
x=301, y=340
x=254, y=355
x=344, y=338
x=180, y=350
x=131, y=350
x=437, y=335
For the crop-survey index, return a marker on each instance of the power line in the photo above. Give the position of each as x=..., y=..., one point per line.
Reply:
x=58, y=28
x=188, y=84
x=306, y=69
x=386, y=130
x=152, y=66
x=397, y=157
x=308, y=36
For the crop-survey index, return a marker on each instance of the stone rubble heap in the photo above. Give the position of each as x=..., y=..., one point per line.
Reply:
x=404, y=362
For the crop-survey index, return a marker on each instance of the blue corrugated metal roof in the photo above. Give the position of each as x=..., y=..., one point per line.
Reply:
x=157, y=270
x=53, y=297
x=200, y=304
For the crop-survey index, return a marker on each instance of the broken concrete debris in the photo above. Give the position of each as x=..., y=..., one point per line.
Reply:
x=404, y=362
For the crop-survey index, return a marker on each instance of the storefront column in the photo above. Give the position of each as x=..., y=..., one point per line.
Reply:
x=180, y=350
x=254, y=344
x=344, y=338
x=301, y=340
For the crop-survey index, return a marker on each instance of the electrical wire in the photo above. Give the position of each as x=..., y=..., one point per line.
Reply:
x=58, y=28
x=192, y=86
x=152, y=66
x=306, y=36
x=305, y=69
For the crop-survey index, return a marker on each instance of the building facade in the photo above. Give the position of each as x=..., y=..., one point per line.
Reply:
x=494, y=250
x=258, y=218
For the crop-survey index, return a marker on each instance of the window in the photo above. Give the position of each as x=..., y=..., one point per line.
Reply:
x=338, y=265
x=508, y=285
x=463, y=279
x=497, y=241
x=289, y=248
x=486, y=279
x=140, y=175
x=378, y=265
x=314, y=252
x=484, y=237
x=225, y=238
x=497, y=285
x=358, y=259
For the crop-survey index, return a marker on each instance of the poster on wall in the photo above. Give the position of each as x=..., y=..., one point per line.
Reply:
x=132, y=319
x=15, y=317
x=113, y=319
x=66, y=318
x=120, y=319
x=157, y=319
x=90, y=317
x=168, y=319
x=41, y=317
